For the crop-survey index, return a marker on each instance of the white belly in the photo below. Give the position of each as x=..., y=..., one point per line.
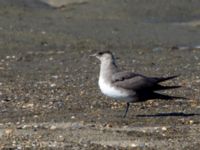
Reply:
x=111, y=91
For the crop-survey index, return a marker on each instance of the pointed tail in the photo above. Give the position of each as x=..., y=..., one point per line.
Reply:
x=158, y=87
x=161, y=79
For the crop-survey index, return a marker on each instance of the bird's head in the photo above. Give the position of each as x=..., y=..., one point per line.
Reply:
x=104, y=56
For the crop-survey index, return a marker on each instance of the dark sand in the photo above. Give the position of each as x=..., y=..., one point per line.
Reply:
x=49, y=96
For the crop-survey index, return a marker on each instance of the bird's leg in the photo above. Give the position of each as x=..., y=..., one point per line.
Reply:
x=127, y=106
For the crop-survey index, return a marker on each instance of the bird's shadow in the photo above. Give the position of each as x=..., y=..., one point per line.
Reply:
x=171, y=114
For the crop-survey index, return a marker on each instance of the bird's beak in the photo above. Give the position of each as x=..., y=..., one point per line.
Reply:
x=93, y=55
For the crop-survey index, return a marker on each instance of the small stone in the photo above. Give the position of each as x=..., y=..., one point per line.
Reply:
x=52, y=85
x=43, y=32
x=51, y=58
x=35, y=126
x=61, y=138
x=55, y=76
x=133, y=145
x=81, y=93
x=24, y=126
x=14, y=143
x=191, y=122
x=76, y=126
x=30, y=105
x=164, y=128
x=108, y=125
x=72, y=117
x=35, y=116
x=133, y=61
x=7, y=57
x=53, y=127
x=198, y=81
x=8, y=131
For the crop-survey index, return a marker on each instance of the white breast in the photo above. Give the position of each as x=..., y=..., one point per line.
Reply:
x=111, y=91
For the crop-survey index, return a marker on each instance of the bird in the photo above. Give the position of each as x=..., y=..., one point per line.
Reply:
x=128, y=86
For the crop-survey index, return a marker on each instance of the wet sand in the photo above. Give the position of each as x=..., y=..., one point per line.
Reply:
x=49, y=96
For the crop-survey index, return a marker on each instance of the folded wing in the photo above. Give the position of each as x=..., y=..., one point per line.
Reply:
x=138, y=82
x=133, y=81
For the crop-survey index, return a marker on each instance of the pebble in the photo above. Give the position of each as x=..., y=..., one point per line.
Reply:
x=133, y=61
x=198, y=81
x=43, y=32
x=55, y=76
x=72, y=117
x=30, y=105
x=61, y=138
x=24, y=126
x=51, y=58
x=52, y=85
x=76, y=126
x=8, y=131
x=133, y=145
x=191, y=122
x=53, y=127
x=164, y=128
x=81, y=93
x=35, y=126
x=8, y=57
x=14, y=142
x=35, y=116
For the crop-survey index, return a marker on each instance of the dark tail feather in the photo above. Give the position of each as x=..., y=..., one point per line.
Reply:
x=161, y=79
x=164, y=97
x=161, y=87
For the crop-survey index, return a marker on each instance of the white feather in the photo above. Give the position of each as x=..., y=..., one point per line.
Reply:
x=111, y=91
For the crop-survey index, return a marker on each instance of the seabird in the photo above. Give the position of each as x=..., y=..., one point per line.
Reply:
x=129, y=86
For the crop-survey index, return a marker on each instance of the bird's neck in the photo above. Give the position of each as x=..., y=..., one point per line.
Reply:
x=107, y=69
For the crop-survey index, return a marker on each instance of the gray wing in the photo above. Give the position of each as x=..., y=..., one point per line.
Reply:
x=132, y=81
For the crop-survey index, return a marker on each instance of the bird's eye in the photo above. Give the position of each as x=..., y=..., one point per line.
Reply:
x=100, y=53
